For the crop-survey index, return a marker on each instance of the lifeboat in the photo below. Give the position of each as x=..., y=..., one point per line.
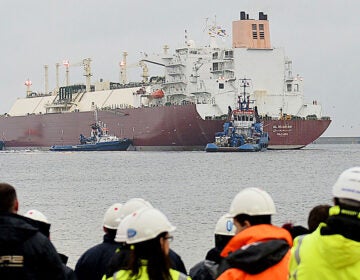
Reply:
x=158, y=94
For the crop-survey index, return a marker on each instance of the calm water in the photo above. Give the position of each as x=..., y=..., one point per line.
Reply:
x=192, y=188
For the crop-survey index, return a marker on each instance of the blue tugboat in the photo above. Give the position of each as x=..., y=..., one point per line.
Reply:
x=243, y=132
x=99, y=140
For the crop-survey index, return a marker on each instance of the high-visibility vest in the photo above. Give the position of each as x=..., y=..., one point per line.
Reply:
x=143, y=275
x=316, y=256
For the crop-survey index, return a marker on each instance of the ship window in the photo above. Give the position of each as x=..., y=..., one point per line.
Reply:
x=288, y=87
x=215, y=66
x=262, y=35
x=221, y=85
x=261, y=27
x=254, y=35
x=254, y=27
x=228, y=54
x=215, y=55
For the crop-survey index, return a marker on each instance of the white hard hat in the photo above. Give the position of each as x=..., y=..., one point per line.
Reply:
x=253, y=202
x=146, y=224
x=348, y=184
x=36, y=215
x=225, y=226
x=121, y=232
x=113, y=216
x=133, y=205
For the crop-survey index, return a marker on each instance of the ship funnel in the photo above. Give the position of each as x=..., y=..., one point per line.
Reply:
x=250, y=33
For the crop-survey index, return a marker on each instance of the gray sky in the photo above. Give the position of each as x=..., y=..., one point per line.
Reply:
x=321, y=37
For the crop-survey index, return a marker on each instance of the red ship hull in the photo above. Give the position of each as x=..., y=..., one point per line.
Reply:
x=150, y=128
x=294, y=134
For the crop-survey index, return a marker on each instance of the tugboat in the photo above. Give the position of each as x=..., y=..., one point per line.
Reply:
x=99, y=140
x=243, y=131
x=2, y=145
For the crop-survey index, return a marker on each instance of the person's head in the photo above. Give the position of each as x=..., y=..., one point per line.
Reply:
x=224, y=231
x=39, y=220
x=8, y=199
x=148, y=234
x=295, y=230
x=251, y=206
x=36, y=215
x=112, y=218
x=317, y=215
x=133, y=205
x=121, y=232
x=346, y=190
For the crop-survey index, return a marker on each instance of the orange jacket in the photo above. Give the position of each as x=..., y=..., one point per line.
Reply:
x=258, y=233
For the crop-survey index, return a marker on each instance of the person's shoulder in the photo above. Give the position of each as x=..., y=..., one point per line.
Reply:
x=89, y=252
x=95, y=248
x=178, y=275
x=18, y=221
x=196, y=268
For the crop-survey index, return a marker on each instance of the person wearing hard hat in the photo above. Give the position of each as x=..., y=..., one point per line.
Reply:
x=148, y=234
x=40, y=221
x=259, y=250
x=25, y=253
x=92, y=264
x=332, y=251
x=121, y=257
x=207, y=269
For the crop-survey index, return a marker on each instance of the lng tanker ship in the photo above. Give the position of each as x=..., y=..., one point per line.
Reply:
x=184, y=108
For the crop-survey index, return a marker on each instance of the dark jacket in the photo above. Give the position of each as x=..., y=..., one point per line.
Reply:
x=44, y=228
x=69, y=272
x=93, y=263
x=25, y=253
x=207, y=269
x=176, y=262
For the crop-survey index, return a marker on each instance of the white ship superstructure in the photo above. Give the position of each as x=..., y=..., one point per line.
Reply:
x=210, y=75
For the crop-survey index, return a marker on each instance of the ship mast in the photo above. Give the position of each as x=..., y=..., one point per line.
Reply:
x=245, y=103
x=67, y=64
x=87, y=74
x=122, y=64
x=28, y=84
x=46, y=78
x=57, y=77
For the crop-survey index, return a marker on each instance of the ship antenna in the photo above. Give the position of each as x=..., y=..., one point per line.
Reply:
x=215, y=31
x=206, y=24
x=244, y=103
